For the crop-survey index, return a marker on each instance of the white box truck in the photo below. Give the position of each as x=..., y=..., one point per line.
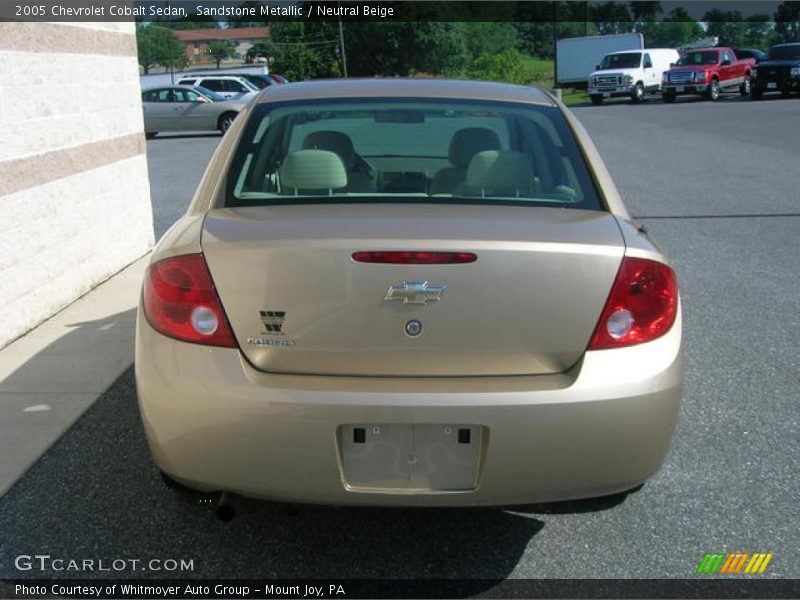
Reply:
x=577, y=58
x=631, y=73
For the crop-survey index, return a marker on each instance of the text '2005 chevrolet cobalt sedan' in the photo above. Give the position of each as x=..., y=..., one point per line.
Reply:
x=399, y=292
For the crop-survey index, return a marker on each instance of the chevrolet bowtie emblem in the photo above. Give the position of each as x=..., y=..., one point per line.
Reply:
x=415, y=292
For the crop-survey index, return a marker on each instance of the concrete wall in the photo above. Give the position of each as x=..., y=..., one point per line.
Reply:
x=74, y=191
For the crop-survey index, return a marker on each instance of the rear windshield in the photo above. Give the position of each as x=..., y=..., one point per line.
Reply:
x=406, y=150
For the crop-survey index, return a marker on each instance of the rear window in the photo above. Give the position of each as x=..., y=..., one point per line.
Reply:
x=408, y=151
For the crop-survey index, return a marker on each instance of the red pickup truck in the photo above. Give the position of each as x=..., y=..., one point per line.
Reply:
x=708, y=72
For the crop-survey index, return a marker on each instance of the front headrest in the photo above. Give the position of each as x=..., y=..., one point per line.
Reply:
x=313, y=170
x=503, y=171
x=333, y=141
x=469, y=141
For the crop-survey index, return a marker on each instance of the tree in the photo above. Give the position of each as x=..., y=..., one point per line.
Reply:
x=759, y=31
x=645, y=12
x=676, y=29
x=404, y=48
x=301, y=49
x=159, y=46
x=611, y=17
x=787, y=21
x=727, y=25
x=510, y=66
x=486, y=37
x=220, y=50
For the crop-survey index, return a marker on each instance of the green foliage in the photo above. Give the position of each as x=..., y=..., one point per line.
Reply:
x=759, y=32
x=611, y=17
x=301, y=50
x=489, y=38
x=510, y=66
x=220, y=50
x=727, y=25
x=676, y=29
x=402, y=49
x=159, y=46
x=787, y=22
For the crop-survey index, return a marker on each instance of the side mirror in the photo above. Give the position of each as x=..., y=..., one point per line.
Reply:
x=671, y=64
x=597, y=67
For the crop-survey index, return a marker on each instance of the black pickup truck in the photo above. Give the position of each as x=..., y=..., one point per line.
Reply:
x=779, y=72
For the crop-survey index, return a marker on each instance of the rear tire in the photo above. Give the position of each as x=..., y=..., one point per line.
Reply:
x=637, y=96
x=225, y=121
x=713, y=90
x=596, y=100
x=668, y=97
x=744, y=89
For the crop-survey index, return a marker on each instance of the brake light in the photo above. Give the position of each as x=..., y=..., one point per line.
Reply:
x=641, y=307
x=181, y=302
x=415, y=258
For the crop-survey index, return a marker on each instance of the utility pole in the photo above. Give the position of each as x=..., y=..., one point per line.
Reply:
x=555, y=43
x=341, y=47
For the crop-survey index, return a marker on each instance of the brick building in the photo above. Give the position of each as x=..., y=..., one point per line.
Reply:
x=196, y=41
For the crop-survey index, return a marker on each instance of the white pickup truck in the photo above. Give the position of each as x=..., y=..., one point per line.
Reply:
x=632, y=73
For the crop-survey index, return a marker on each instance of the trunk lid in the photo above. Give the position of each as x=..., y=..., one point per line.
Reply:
x=299, y=303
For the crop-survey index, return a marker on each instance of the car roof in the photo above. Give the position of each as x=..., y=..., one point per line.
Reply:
x=170, y=86
x=211, y=77
x=405, y=88
x=786, y=44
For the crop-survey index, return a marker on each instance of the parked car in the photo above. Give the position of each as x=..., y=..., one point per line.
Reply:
x=227, y=86
x=630, y=73
x=408, y=292
x=779, y=72
x=754, y=53
x=260, y=81
x=708, y=72
x=183, y=108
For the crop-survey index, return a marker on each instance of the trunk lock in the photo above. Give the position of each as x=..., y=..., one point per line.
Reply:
x=413, y=328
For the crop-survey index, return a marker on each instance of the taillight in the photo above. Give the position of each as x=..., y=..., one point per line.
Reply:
x=181, y=302
x=406, y=257
x=641, y=306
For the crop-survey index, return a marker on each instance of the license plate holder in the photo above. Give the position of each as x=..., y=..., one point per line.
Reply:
x=423, y=457
x=772, y=85
x=680, y=88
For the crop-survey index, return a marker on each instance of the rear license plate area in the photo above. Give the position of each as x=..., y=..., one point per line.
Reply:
x=772, y=85
x=399, y=457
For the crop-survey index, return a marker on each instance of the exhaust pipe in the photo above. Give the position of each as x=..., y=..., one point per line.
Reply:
x=225, y=510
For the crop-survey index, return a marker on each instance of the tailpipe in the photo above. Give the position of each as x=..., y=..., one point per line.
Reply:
x=225, y=510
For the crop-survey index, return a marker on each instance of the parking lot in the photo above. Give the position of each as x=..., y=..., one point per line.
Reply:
x=718, y=186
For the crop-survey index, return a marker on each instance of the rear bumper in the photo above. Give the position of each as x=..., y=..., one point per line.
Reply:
x=215, y=423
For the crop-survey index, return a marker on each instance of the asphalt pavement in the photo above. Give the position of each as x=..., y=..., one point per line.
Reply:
x=718, y=185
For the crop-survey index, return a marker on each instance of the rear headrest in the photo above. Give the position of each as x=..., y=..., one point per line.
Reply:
x=503, y=171
x=469, y=141
x=333, y=141
x=313, y=170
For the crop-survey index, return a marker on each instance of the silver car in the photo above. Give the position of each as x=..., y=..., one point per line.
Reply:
x=408, y=292
x=185, y=108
